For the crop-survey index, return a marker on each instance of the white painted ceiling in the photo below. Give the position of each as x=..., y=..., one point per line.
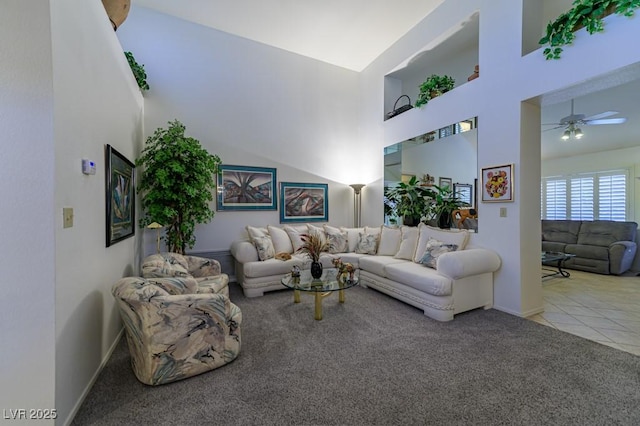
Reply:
x=352, y=33
x=347, y=33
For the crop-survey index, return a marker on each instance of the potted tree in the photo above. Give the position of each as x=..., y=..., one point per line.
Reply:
x=434, y=86
x=409, y=201
x=177, y=185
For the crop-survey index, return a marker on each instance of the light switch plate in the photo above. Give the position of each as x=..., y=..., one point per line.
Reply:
x=67, y=217
x=503, y=212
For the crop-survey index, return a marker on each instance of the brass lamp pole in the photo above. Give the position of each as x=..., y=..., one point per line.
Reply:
x=156, y=226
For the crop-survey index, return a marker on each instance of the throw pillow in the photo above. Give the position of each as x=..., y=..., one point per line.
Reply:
x=353, y=236
x=264, y=247
x=337, y=240
x=255, y=232
x=408, y=244
x=458, y=237
x=294, y=233
x=367, y=244
x=280, y=239
x=389, y=241
x=435, y=249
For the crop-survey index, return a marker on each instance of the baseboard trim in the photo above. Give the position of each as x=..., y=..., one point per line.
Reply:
x=87, y=389
x=519, y=314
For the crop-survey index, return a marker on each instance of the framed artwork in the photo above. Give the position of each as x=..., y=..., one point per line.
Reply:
x=304, y=202
x=120, y=196
x=444, y=182
x=246, y=188
x=497, y=184
x=464, y=192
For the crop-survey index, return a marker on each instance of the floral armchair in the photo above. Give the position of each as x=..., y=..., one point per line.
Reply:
x=174, y=333
x=200, y=275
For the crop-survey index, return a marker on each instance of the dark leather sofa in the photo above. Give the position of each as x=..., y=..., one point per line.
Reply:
x=600, y=246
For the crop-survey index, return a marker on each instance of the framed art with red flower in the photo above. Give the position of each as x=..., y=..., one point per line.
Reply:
x=497, y=184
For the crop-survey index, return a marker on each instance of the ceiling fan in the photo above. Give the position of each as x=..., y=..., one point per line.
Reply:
x=572, y=123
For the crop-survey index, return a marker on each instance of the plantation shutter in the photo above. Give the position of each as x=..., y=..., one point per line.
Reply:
x=612, y=200
x=556, y=199
x=582, y=201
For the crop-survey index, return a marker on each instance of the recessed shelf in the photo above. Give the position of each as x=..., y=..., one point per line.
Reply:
x=454, y=53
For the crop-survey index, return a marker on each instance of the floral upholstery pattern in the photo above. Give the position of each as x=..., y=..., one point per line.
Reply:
x=201, y=275
x=174, y=334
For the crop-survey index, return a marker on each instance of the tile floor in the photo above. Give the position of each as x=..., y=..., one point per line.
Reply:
x=602, y=308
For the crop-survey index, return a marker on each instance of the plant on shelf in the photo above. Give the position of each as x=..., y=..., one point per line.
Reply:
x=584, y=13
x=177, y=184
x=434, y=86
x=138, y=71
x=408, y=200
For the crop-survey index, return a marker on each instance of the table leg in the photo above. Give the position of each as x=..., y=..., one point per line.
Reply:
x=319, y=298
x=562, y=272
x=296, y=296
x=341, y=296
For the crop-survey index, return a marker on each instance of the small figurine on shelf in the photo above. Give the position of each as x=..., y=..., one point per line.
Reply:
x=427, y=180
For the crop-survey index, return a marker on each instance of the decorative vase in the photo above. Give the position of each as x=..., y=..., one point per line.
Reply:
x=316, y=269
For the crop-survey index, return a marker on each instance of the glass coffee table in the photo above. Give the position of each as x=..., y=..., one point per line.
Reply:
x=549, y=257
x=321, y=287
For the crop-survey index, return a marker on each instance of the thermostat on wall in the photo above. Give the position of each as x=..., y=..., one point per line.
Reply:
x=88, y=167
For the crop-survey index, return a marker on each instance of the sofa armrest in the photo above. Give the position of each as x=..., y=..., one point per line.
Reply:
x=621, y=255
x=465, y=263
x=244, y=251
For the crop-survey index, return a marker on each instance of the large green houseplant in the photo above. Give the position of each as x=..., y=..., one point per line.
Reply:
x=409, y=201
x=177, y=184
x=444, y=202
x=584, y=14
x=434, y=86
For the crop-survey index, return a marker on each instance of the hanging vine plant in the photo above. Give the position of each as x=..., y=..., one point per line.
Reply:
x=584, y=14
x=138, y=71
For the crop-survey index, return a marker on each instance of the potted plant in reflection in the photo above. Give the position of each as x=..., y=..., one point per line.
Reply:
x=444, y=202
x=409, y=201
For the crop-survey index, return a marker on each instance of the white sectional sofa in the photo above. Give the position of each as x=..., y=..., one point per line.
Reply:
x=429, y=268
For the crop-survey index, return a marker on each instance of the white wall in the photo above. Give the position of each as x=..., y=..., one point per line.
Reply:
x=507, y=130
x=96, y=102
x=253, y=105
x=27, y=244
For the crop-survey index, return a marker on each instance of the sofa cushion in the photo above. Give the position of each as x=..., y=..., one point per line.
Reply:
x=280, y=239
x=605, y=232
x=588, y=252
x=458, y=237
x=337, y=239
x=408, y=243
x=264, y=246
x=377, y=264
x=417, y=276
x=272, y=267
x=560, y=231
x=173, y=286
x=551, y=246
x=389, y=241
x=433, y=250
x=353, y=236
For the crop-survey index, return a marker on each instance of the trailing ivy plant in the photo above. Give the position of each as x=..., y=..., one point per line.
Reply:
x=433, y=86
x=177, y=185
x=584, y=13
x=138, y=71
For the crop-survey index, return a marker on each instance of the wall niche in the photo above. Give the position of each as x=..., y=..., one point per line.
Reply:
x=454, y=53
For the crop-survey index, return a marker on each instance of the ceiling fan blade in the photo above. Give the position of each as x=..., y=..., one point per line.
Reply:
x=552, y=124
x=601, y=115
x=606, y=121
x=554, y=128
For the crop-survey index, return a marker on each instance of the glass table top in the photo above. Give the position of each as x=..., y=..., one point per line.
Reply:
x=327, y=282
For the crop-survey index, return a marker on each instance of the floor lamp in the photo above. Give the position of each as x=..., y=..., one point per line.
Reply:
x=357, y=204
x=156, y=226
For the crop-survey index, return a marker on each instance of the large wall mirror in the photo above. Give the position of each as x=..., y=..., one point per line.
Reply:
x=443, y=157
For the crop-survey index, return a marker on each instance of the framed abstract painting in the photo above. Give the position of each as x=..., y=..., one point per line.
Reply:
x=120, y=196
x=246, y=188
x=304, y=202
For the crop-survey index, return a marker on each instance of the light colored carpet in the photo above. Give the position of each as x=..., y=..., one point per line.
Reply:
x=378, y=361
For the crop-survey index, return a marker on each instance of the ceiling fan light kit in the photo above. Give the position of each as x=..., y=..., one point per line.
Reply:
x=571, y=122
